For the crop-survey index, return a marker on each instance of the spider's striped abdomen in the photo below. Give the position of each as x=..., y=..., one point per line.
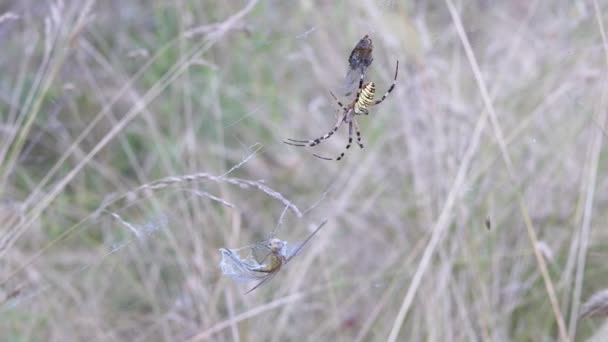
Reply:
x=366, y=98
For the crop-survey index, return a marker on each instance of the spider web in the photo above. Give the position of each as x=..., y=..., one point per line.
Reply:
x=238, y=268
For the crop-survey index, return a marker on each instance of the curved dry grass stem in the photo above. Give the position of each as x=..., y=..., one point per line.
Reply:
x=157, y=185
x=162, y=184
x=244, y=183
x=7, y=16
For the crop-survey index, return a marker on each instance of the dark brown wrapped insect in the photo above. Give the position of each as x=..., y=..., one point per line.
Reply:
x=360, y=59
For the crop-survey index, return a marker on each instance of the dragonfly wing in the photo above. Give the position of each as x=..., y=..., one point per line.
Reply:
x=267, y=278
x=292, y=249
x=289, y=251
x=351, y=81
x=241, y=270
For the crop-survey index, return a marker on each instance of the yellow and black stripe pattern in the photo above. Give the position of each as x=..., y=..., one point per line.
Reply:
x=366, y=98
x=359, y=105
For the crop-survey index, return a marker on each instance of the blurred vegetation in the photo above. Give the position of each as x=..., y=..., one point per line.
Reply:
x=99, y=99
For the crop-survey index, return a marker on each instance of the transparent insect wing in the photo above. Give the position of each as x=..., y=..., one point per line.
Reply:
x=260, y=251
x=292, y=249
x=351, y=81
x=239, y=269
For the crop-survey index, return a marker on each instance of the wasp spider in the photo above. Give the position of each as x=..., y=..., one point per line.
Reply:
x=360, y=105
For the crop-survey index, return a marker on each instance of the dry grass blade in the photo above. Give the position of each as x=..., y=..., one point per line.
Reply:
x=511, y=171
x=137, y=108
x=438, y=233
x=596, y=306
x=593, y=168
x=246, y=315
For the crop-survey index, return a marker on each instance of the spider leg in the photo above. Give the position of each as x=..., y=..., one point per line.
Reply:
x=360, y=88
x=358, y=133
x=339, y=103
x=317, y=141
x=391, y=87
x=350, y=140
x=320, y=157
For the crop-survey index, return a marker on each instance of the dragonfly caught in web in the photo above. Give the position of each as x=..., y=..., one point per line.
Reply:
x=261, y=261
